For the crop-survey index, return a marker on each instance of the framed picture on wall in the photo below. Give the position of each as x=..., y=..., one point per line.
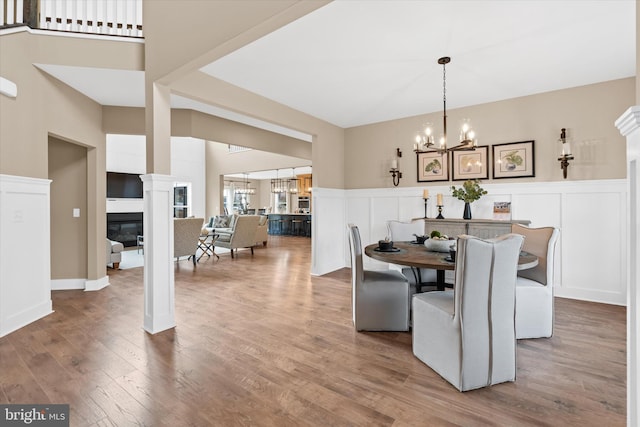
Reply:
x=470, y=164
x=513, y=160
x=433, y=166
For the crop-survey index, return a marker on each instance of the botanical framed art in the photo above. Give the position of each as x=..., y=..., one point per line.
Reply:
x=467, y=164
x=513, y=160
x=433, y=166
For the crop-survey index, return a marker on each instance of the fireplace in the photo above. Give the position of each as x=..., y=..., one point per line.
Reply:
x=124, y=227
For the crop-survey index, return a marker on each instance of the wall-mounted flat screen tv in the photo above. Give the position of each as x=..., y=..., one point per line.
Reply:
x=124, y=185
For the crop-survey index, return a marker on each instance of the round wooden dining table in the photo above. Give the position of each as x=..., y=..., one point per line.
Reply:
x=418, y=256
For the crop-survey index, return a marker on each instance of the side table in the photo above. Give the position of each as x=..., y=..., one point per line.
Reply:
x=206, y=243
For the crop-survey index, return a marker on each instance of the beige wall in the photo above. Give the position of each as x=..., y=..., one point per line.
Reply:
x=588, y=112
x=328, y=140
x=183, y=36
x=27, y=122
x=68, y=174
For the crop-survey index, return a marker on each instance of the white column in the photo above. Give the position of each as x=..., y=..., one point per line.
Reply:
x=629, y=126
x=159, y=281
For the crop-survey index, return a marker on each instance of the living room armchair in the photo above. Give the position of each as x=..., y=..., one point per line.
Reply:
x=242, y=235
x=114, y=253
x=185, y=236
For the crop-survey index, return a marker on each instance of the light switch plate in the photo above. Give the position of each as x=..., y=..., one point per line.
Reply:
x=76, y=212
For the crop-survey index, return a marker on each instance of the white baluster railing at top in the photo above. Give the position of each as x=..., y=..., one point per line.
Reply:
x=11, y=12
x=108, y=17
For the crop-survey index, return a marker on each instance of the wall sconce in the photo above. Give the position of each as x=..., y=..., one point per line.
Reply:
x=395, y=173
x=565, y=155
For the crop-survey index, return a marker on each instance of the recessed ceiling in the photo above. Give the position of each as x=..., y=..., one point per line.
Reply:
x=357, y=62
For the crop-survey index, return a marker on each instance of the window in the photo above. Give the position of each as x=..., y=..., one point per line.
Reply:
x=181, y=201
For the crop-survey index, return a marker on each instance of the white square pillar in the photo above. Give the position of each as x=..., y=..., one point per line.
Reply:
x=629, y=126
x=159, y=280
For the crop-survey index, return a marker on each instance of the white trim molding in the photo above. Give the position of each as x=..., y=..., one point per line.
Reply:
x=591, y=259
x=8, y=88
x=96, y=285
x=25, y=274
x=629, y=126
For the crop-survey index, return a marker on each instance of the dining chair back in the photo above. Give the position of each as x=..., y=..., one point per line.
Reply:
x=534, y=286
x=468, y=335
x=380, y=299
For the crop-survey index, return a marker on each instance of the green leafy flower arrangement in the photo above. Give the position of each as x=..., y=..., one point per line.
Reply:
x=469, y=192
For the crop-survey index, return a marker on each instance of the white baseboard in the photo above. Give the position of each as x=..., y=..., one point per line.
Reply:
x=96, y=285
x=18, y=320
x=67, y=284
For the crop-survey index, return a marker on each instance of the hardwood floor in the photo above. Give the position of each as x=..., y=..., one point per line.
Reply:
x=260, y=342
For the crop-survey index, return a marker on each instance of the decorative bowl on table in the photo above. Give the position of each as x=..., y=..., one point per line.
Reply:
x=437, y=245
x=385, y=245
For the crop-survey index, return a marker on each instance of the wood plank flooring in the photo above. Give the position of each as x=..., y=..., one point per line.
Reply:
x=259, y=342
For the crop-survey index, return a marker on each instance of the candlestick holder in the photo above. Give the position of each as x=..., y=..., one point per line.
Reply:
x=425, y=207
x=439, y=212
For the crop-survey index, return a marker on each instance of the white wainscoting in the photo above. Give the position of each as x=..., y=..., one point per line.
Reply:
x=25, y=259
x=328, y=230
x=591, y=215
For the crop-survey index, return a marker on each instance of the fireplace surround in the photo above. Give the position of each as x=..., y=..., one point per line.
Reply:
x=124, y=227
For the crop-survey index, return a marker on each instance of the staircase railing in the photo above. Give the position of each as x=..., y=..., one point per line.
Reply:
x=106, y=17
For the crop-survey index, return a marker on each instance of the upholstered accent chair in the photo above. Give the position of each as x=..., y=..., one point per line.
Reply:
x=468, y=335
x=186, y=232
x=534, y=287
x=114, y=253
x=380, y=299
x=404, y=232
x=242, y=235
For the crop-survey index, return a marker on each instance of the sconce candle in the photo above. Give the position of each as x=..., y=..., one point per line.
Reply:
x=566, y=153
x=394, y=164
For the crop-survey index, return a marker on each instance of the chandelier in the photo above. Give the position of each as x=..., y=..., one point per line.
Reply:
x=293, y=183
x=245, y=189
x=285, y=185
x=279, y=185
x=424, y=141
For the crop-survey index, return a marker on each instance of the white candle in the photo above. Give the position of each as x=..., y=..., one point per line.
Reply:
x=425, y=194
x=439, y=199
x=394, y=164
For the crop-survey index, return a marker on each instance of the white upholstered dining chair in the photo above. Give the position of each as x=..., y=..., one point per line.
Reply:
x=468, y=335
x=380, y=299
x=534, y=286
x=405, y=232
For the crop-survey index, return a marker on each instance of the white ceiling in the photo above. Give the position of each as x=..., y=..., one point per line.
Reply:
x=358, y=62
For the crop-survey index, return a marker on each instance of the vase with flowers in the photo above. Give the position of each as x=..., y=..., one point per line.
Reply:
x=468, y=193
